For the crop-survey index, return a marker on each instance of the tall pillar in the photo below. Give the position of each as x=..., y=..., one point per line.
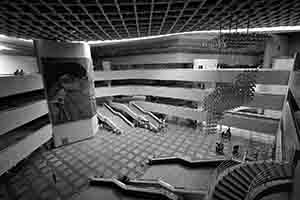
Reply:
x=107, y=67
x=275, y=47
x=67, y=72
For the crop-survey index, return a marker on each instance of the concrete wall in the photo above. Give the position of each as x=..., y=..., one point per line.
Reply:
x=10, y=85
x=10, y=156
x=294, y=43
x=290, y=140
x=9, y=64
x=13, y=118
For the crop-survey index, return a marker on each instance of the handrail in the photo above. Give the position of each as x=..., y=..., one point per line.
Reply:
x=107, y=120
x=146, y=112
x=268, y=175
x=165, y=191
x=136, y=116
x=223, y=173
x=125, y=108
x=119, y=114
x=158, y=187
x=182, y=161
x=269, y=186
x=221, y=168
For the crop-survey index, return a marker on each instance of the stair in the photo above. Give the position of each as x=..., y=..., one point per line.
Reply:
x=234, y=184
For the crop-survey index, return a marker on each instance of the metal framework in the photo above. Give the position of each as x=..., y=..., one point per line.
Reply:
x=118, y=19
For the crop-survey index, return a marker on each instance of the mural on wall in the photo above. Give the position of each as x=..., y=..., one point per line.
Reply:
x=70, y=88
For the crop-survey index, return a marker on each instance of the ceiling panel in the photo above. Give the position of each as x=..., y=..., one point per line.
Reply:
x=87, y=20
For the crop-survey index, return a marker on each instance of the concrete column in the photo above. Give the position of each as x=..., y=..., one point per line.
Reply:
x=296, y=183
x=275, y=47
x=107, y=67
x=67, y=72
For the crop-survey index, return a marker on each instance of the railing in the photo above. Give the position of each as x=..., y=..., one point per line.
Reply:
x=138, y=118
x=125, y=109
x=108, y=121
x=146, y=112
x=270, y=174
x=119, y=114
x=221, y=168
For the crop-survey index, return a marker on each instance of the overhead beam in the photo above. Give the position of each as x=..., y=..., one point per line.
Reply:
x=193, y=15
x=136, y=18
x=64, y=19
x=204, y=16
x=79, y=20
x=150, y=18
x=93, y=20
x=225, y=8
x=121, y=17
x=50, y=27
x=165, y=17
x=179, y=16
x=107, y=18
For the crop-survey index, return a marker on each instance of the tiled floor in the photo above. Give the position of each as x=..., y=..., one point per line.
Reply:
x=109, y=155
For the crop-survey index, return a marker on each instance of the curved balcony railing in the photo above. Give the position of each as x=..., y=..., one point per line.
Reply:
x=221, y=168
x=271, y=174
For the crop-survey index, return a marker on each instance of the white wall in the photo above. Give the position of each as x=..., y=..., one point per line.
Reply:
x=164, y=58
x=9, y=64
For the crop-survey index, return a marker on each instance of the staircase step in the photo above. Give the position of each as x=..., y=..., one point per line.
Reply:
x=239, y=179
x=226, y=192
x=232, y=180
x=247, y=173
x=243, y=174
x=255, y=168
x=251, y=171
x=233, y=188
x=219, y=196
x=261, y=167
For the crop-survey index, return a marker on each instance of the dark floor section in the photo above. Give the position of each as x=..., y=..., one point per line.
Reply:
x=62, y=172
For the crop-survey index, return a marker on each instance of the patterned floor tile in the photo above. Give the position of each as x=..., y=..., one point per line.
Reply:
x=59, y=173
